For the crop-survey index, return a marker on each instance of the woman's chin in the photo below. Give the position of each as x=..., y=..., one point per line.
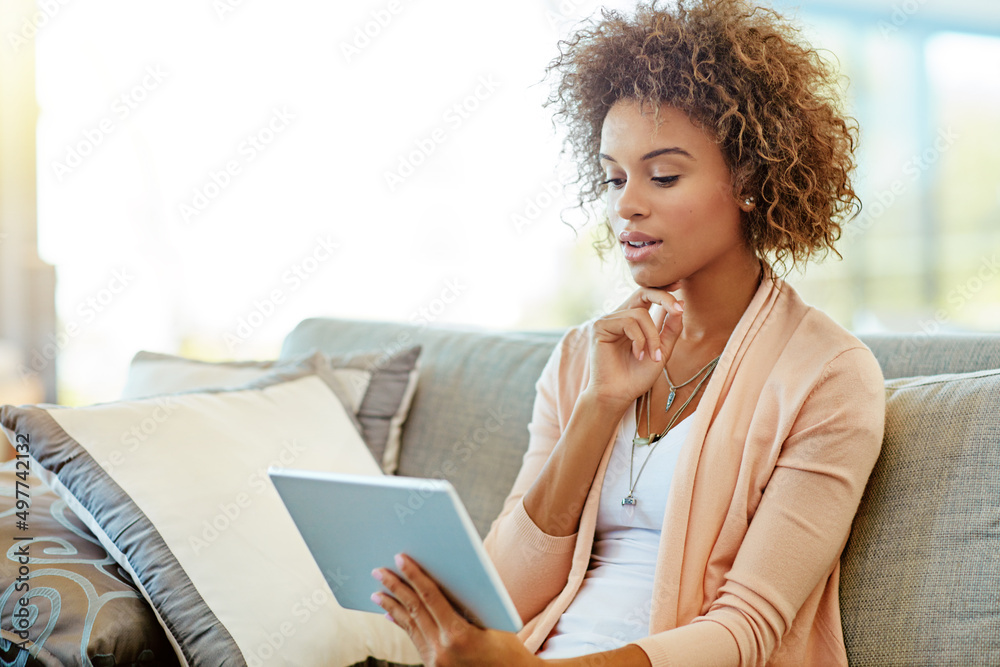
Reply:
x=650, y=282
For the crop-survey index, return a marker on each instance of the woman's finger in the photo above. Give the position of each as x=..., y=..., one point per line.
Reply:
x=665, y=313
x=644, y=297
x=670, y=331
x=394, y=611
x=638, y=326
x=398, y=614
x=612, y=328
x=405, y=607
x=445, y=615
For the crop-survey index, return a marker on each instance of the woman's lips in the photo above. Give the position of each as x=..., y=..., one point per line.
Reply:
x=638, y=246
x=640, y=251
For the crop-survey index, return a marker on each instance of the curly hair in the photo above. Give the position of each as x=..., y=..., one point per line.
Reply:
x=770, y=101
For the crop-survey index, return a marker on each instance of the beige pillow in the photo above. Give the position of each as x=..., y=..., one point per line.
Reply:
x=188, y=510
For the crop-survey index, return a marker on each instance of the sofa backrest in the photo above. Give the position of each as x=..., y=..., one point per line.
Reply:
x=911, y=355
x=920, y=579
x=468, y=422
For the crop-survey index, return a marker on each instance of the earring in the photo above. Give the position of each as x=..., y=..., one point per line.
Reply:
x=748, y=201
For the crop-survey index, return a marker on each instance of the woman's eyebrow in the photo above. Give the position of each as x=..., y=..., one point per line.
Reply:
x=650, y=155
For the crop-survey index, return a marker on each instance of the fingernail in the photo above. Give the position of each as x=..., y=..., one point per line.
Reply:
x=642, y=354
x=399, y=560
x=377, y=574
x=377, y=598
x=659, y=355
x=391, y=619
x=679, y=306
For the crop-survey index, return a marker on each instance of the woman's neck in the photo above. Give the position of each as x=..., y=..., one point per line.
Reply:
x=713, y=305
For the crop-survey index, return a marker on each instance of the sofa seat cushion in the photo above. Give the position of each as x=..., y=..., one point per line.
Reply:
x=921, y=572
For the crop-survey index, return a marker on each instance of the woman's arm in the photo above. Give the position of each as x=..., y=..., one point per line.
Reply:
x=556, y=498
x=533, y=564
x=594, y=376
x=628, y=350
x=531, y=543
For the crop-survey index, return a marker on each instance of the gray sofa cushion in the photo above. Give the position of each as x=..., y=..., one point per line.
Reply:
x=921, y=573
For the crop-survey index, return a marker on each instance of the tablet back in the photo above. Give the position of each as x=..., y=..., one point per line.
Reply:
x=353, y=524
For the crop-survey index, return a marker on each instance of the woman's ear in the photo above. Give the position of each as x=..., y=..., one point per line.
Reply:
x=747, y=204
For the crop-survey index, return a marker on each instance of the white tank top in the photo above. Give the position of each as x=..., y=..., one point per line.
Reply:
x=613, y=604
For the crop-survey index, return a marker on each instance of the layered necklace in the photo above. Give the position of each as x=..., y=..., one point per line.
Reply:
x=654, y=438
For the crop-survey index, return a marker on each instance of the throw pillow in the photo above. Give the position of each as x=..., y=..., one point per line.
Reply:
x=188, y=510
x=81, y=604
x=377, y=389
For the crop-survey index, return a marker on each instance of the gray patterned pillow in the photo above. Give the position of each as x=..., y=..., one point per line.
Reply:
x=80, y=602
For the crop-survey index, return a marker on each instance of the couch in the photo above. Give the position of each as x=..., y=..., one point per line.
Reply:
x=920, y=582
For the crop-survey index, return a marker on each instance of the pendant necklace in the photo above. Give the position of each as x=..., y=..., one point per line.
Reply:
x=674, y=387
x=654, y=438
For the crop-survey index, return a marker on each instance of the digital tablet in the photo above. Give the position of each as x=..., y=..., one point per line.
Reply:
x=353, y=524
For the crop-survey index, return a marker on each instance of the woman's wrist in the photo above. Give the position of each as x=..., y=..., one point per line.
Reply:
x=630, y=655
x=612, y=406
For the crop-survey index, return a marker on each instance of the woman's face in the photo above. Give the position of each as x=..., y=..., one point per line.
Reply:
x=670, y=198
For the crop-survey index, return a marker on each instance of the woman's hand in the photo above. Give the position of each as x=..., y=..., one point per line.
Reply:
x=631, y=346
x=441, y=634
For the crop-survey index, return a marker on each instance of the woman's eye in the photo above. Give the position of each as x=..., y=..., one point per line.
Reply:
x=666, y=180
x=663, y=181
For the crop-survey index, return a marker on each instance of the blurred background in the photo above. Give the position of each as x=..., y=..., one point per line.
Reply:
x=196, y=177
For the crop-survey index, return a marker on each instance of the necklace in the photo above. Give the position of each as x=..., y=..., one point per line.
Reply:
x=654, y=438
x=675, y=387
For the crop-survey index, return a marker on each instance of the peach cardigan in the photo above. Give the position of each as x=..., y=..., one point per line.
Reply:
x=770, y=477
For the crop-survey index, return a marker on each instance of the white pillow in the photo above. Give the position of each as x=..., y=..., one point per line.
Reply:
x=175, y=487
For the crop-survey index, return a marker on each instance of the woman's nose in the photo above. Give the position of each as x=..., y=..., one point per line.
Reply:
x=630, y=202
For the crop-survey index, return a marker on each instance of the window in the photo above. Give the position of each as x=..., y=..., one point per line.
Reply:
x=211, y=173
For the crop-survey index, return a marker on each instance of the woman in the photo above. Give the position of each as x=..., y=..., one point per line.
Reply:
x=697, y=456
